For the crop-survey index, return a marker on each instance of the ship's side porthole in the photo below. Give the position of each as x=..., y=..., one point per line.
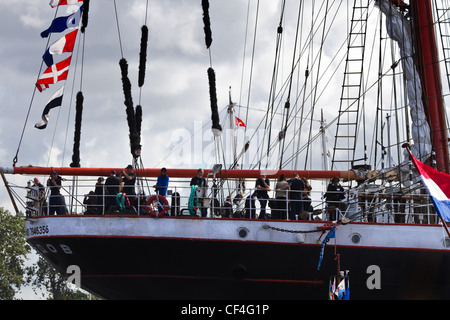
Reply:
x=239, y=271
x=243, y=232
x=355, y=237
x=446, y=242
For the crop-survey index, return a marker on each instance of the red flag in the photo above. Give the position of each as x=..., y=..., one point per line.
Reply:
x=53, y=74
x=239, y=122
x=54, y=3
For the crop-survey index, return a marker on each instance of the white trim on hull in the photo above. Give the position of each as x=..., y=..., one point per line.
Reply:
x=408, y=236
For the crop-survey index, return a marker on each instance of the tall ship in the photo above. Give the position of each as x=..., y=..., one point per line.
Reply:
x=309, y=187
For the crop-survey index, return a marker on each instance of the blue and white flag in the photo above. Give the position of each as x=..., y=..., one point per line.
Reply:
x=330, y=234
x=62, y=23
x=438, y=187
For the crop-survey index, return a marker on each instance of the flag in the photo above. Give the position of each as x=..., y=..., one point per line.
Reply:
x=55, y=3
x=438, y=187
x=347, y=291
x=340, y=289
x=55, y=101
x=53, y=74
x=62, y=23
x=239, y=122
x=332, y=289
x=330, y=234
x=65, y=44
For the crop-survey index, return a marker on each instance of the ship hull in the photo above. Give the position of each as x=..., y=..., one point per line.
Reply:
x=184, y=258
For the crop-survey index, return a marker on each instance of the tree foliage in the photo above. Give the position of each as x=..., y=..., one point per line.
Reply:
x=13, y=251
x=52, y=285
x=43, y=278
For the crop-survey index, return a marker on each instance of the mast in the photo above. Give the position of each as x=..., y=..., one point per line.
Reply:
x=428, y=64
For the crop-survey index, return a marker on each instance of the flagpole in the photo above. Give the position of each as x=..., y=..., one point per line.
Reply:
x=406, y=146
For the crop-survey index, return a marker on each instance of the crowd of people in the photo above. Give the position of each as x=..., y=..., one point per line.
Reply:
x=118, y=194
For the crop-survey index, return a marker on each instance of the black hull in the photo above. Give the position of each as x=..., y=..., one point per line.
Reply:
x=165, y=268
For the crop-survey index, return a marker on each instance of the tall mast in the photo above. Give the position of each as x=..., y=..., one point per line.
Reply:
x=428, y=65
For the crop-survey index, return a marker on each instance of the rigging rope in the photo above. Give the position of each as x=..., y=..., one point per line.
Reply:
x=16, y=157
x=79, y=98
x=134, y=117
x=118, y=28
x=287, y=105
x=272, y=91
x=315, y=90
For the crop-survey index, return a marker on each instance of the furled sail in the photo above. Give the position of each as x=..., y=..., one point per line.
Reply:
x=399, y=29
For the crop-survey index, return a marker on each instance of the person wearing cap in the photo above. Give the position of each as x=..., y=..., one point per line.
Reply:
x=333, y=196
x=57, y=203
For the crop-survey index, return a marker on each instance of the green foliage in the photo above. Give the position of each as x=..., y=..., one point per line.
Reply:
x=13, y=273
x=43, y=277
x=13, y=251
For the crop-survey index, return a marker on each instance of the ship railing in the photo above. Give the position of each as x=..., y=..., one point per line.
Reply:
x=357, y=206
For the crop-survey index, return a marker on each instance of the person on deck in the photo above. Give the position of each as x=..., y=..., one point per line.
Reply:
x=306, y=196
x=56, y=203
x=228, y=208
x=100, y=194
x=262, y=186
x=295, y=196
x=161, y=187
x=334, y=196
x=128, y=177
x=41, y=204
x=281, y=191
x=90, y=201
x=200, y=181
x=162, y=183
x=112, y=189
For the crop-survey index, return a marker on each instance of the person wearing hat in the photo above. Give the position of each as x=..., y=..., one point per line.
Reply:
x=57, y=203
x=333, y=196
x=112, y=184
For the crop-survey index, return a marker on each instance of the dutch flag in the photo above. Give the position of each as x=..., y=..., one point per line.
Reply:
x=438, y=186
